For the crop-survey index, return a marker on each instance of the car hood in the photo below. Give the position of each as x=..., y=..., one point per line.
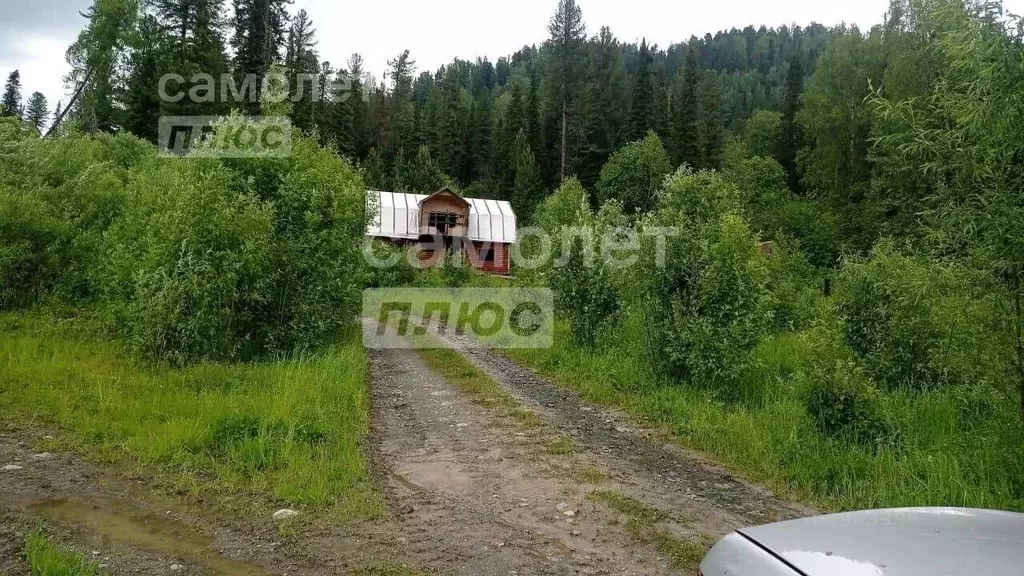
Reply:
x=906, y=542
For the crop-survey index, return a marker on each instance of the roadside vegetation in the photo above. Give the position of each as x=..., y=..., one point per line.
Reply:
x=866, y=357
x=46, y=558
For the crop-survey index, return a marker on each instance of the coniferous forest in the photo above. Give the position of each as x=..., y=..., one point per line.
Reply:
x=839, y=315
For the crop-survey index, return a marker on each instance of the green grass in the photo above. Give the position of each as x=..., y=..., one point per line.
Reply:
x=291, y=430
x=642, y=523
x=947, y=456
x=46, y=559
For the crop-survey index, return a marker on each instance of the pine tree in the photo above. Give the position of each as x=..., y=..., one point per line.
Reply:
x=641, y=118
x=792, y=136
x=712, y=136
x=302, y=62
x=190, y=36
x=142, y=104
x=685, y=124
x=483, y=139
x=36, y=113
x=400, y=109
x=527, y=191
x=358, y=98
x=568, y=35
x=374, y=171
x=426, y=176
x=260, y=27
x=11, y=103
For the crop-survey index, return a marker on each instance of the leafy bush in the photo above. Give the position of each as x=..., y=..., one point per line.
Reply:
x=57, y=199
x=398, y=272
x=634, y=174
x=233, y=259
x=708, y=304
x=843, y=404
x=187, y=271
x=916, y=323
x=584, y=294
x=31, y=261
x=794, y=286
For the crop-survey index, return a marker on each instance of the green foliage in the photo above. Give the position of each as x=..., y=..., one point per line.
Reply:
x=843, y=404
x=248, y=256
x=46, y=559
x=707, y=304
x=762, y=132
x=57, y=199
x=915, y=323
x=584, y=294
x=634, y=174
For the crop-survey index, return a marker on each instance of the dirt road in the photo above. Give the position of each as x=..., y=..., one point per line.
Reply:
x=477, y=494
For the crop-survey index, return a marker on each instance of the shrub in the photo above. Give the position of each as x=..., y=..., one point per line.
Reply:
x=794, y=286
x=399, y=272
x=708, y=305
x=233, y=259
x=57, y=199
x=915, y=322
x=843, y=404
x=634, y=174
x=584, y=292
x=188, y=262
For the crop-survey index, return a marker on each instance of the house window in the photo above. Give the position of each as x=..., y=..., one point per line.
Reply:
x=488, y=256
x=443, y=222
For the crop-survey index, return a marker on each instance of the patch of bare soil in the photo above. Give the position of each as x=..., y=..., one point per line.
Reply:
x=477, y=497
x=127, y=527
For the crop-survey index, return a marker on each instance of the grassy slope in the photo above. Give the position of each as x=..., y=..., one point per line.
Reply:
x=947, y=457
x=290, y=430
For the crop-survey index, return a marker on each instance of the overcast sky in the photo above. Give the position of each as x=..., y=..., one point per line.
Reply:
x=35, y=33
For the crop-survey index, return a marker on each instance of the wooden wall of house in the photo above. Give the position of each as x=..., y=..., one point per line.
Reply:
x=445, y=203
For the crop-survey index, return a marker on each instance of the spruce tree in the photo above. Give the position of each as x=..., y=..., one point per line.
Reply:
x=260, y=27
x=358, y=97
x=36, y=113
x=792, y=135
x=712, y=129
x=641, y=118
x=568, y=36
x=685, y=122
x=302, y=63
x=11, y=103
x=527, y=190
x=142, y=104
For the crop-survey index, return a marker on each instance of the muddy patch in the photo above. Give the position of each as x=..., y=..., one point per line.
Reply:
x=110, y=523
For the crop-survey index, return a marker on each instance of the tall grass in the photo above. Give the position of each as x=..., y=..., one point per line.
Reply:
x=953, y=449
x=46, y=559
x=289, y=430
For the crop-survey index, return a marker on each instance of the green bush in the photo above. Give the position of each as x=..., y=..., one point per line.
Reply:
x=401, y=273
x=843, y=404
x=707, y=304
x=634, y=174
x=584, y=292
x=58, y=197
x=188, y=263
x=916, y=323
x=236, y=259
x=31, y=258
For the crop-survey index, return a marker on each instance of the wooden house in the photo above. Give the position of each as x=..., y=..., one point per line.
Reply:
x=481, y=230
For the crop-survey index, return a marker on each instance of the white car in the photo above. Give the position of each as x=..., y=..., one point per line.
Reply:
x=906, y=542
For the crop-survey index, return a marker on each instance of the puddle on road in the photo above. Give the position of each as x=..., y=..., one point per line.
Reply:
x=118, y=522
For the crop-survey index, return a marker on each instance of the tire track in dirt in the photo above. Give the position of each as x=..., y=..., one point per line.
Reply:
x=471, y=495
